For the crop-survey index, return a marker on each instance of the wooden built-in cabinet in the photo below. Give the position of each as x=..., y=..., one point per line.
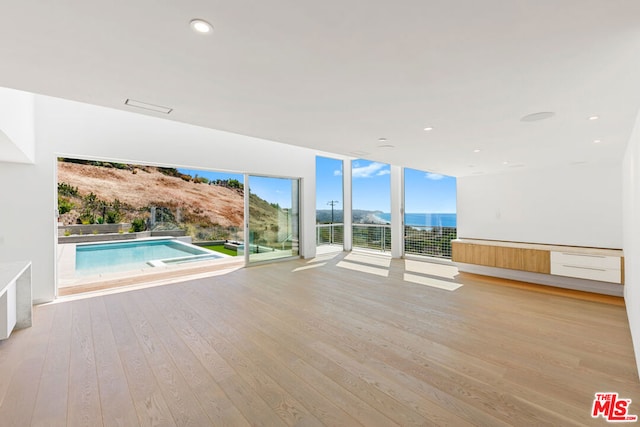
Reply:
x=532, y=260
x=604, y=265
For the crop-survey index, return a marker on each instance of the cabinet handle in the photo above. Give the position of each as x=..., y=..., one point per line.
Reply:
x=584, y=268
x=587, y=255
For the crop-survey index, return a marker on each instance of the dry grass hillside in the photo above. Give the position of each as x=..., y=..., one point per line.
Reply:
x=139, y=187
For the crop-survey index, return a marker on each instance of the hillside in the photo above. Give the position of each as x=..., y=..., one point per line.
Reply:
x=139, y=187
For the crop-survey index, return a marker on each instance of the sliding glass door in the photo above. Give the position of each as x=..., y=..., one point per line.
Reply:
x=273, y=218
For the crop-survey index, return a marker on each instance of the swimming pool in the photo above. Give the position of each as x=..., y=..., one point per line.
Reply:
x=97, y=258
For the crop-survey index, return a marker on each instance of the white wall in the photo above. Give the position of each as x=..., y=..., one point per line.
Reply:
x=16, y=126
x=575, y=205
x=631, y=224
x=65, y=128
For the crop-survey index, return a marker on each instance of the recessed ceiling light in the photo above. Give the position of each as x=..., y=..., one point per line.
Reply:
x=386, y=146
x=382, y=139
x=534, y=117
x=596, y=141
x=428, y=128
x=505, y=163
x=594, y=117
x=201, y=26
x=477, y=150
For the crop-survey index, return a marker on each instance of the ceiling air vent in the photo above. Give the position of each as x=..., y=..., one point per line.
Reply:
x=150, y=107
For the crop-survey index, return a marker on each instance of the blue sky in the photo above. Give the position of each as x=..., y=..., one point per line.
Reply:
x=328, y=182
x=273, y=190
x=371, y=185
x=425, y=192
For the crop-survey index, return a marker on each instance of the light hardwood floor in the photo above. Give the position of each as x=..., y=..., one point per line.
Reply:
x=341, y=340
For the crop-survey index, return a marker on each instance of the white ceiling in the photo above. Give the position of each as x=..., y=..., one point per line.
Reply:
x=337, y=75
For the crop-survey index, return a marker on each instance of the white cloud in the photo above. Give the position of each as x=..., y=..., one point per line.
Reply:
x=337, y=172
x=434, y=176
x=370, y=170
x=383, y=172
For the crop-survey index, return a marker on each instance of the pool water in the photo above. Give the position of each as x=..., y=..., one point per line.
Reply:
x=123, y=256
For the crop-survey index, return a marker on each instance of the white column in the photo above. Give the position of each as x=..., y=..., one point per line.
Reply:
x=397, y=212
x=308, y=216
x=347, y=204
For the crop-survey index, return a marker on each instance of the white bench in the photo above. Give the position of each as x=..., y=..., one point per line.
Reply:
x=15, y=297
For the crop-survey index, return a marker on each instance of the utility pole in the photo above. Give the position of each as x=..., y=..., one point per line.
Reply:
x=332, y=203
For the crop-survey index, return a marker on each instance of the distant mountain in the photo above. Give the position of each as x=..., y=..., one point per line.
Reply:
x=323, y=216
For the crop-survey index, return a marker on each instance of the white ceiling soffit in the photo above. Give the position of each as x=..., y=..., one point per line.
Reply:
x=338, y=75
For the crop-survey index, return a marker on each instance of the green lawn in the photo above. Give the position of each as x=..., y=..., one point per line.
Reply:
x=222, y=249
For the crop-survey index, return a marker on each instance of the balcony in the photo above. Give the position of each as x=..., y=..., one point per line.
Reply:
x=330, y=234
x=372, y=236
x=431, y=241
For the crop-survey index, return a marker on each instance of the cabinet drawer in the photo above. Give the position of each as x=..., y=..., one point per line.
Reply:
x=586, y=260
x=589, y=273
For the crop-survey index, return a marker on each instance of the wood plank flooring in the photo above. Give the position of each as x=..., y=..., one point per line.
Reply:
x=342, y=340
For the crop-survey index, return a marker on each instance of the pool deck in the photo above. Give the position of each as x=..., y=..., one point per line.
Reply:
x=71, y=283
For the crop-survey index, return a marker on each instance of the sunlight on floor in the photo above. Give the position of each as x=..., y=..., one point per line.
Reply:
x=310, y=266
x=431, y=269
x=328, y=249
x=429, y=281
x=379, y=260
x=364, y=268
x=324, y=257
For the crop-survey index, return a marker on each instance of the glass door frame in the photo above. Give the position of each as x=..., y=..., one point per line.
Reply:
x=299, y=181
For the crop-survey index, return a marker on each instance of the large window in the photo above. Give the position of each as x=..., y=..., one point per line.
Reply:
x=430, y=221
x=329, y=202
x=371, y=195
x=273, y=218
x=121, y=217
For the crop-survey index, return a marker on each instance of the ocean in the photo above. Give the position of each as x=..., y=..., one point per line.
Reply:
x=424, y=219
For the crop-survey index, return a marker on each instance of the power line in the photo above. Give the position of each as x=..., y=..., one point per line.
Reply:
x=332, y=203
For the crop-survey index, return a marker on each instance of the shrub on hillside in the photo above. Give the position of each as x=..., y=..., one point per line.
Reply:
x=64, y=205
x=65, y=189
x=138, y=225
x=169, y=172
